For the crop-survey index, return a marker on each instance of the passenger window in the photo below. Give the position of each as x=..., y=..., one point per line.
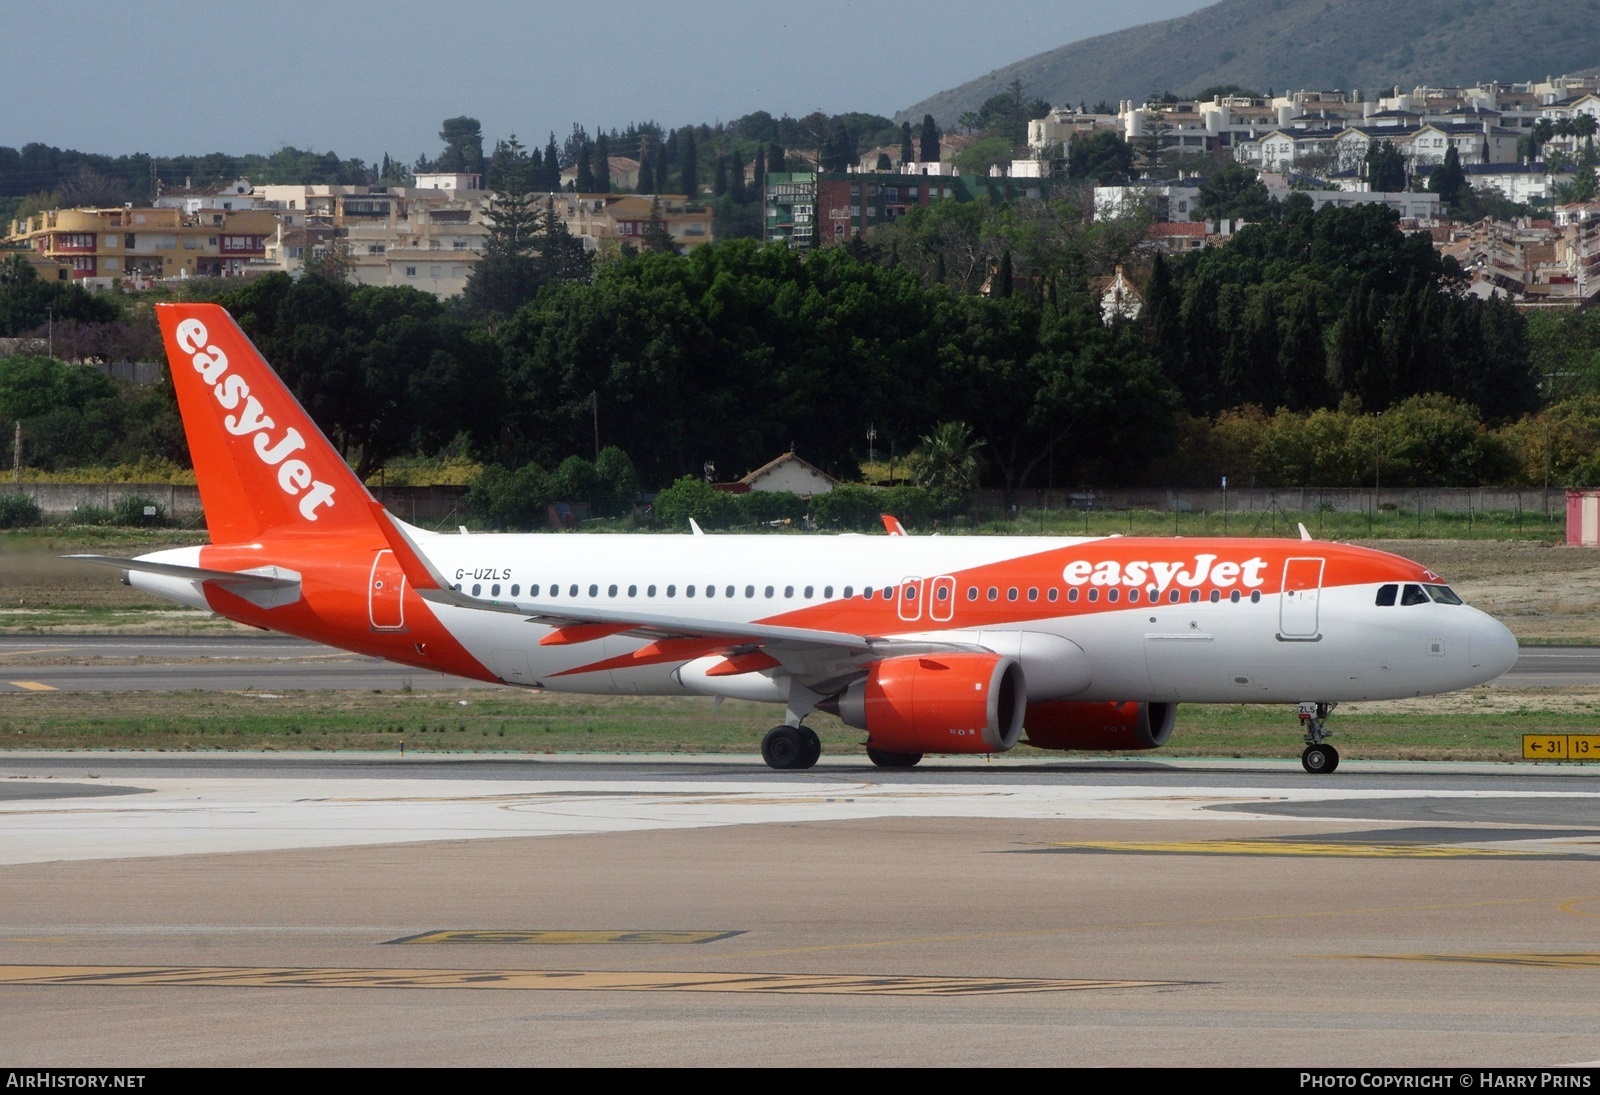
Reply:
x=611, y=591
x=1413, y=595
x=1052, y=593
x=1033, y=593
x=848, y=590
x=1011, y=594
x=911, y=593
x=994, y=593
x=972, y=593
x=649, y=591
x=827, y=591
x=515, y=589
x=711, y=590
x=1216, y=596
x=494, y=590
x=1133, y=596
x=672, y=591
x=1094, y=595
x=594, y=590
x=688, y=591
x=1255, y=596
x=808, y=592
x=1172, y=598
x=1386, y=595
x=1234, y=596
x=888, y=593
x=633, y=591
x=867, y=593
x=788, y=591
x=769, y=593
x=728, y=592
x=942, y=593
x=572, y=590
x=1072, y=594
x=750, y=592
x=476, y=589
x=1194, y=596
x=1112, y=594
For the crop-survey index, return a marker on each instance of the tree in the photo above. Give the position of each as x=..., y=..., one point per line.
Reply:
x=463, y=145
x=1386, y=168
x=602, y=165
x=1104, y=157
x=656, y=236
x=647, y=178
x=929, y=150
x=584, y=183
x=1235, y=193
x=507, y=276
x=776, y=157
x=908, y=154
x=1449, y=178
x=946, y=463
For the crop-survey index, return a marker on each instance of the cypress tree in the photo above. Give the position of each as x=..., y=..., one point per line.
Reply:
x=584, y=183
x=647, y=177
x=930, y=141
x=908, y=154
x=719, y=181
x=602, y=164
x=776, y=159
x=551, y=180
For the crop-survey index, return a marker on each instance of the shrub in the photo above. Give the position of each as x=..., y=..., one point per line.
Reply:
x=138, y=511
x=19, y=511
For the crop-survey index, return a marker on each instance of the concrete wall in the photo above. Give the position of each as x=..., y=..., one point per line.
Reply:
x=1291, y=499
x=426, y=506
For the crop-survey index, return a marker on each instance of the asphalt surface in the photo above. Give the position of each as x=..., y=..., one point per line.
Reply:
x=366, y=910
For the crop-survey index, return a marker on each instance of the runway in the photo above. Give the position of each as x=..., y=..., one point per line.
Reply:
x=231, y=662
x=366, y=910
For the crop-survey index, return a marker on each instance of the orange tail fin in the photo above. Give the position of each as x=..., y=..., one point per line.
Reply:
x=262, y=465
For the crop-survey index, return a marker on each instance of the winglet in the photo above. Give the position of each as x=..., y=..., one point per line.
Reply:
x=1304, y=533
x=892, y=525
x=695, y=525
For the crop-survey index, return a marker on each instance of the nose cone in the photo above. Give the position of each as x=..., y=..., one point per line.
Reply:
x=1491, y=647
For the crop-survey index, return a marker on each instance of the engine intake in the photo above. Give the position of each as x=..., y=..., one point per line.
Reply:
x=944, y=703
x=1110, y=726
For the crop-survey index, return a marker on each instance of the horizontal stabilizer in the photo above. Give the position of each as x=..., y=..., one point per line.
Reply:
x=267, y=587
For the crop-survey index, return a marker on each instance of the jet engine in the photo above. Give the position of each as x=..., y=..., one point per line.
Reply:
x=1066, y=725
x=937, y=703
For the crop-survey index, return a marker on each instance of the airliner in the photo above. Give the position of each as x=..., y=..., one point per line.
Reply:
x=928, y=644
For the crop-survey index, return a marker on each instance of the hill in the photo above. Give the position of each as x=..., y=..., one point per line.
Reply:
x=1292, y=44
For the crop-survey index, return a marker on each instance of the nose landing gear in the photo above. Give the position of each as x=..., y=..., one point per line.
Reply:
x=1319, y=757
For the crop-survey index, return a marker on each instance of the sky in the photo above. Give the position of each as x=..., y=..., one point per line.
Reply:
x=172, y=77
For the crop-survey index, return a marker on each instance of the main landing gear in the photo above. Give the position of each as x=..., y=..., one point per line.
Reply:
x=789, y=748
x=1319, y=757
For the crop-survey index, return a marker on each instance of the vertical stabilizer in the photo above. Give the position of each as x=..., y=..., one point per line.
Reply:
x=263, y=467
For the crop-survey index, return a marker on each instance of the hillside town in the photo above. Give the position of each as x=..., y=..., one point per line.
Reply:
x=1528, y=144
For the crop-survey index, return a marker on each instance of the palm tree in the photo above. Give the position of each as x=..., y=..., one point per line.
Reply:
x=946, y=463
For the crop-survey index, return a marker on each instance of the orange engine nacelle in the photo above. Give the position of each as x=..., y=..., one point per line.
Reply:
x=938, y=703
x=1062, y=725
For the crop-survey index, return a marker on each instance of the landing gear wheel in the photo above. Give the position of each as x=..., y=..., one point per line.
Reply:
x=1319, y=760
x=884, y=759
x=813, y=746
x=786, y=748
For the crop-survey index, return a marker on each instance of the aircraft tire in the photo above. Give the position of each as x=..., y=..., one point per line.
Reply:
x=813, y=746
x=784, y=748
x=885, y=759
x=1319, y=760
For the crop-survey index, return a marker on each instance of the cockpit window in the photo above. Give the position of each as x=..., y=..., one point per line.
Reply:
x=1444, y=595
x=1386, y=595
x=1413, y=595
